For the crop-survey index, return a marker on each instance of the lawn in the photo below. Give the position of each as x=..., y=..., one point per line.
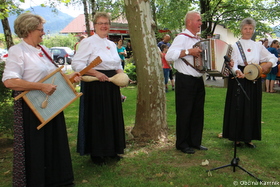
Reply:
x=159, y=164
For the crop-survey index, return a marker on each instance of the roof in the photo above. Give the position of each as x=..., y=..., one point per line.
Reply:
x=118, y=26
x=76, y=26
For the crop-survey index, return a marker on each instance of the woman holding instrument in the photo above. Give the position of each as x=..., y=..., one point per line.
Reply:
x=242, y=116
x=41, y=157
x=101, y=127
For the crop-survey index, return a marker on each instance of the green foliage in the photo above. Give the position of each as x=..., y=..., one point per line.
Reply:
x=6, y=106
x=230, y=13
x=170, y=14
x=159, y=164
x=2, y=41
x=60, y=41
x=130, y=69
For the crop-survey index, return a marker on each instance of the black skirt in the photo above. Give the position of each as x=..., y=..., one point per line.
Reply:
x=242, y=117
x=47, y=154
x=101, y=126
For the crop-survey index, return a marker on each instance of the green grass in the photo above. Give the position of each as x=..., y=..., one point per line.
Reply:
x=159, y=164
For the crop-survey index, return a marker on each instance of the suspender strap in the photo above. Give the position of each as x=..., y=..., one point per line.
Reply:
x=184, y=60
x=48, y=56
x=196, y=37
x=242, y=52
x=189, y=64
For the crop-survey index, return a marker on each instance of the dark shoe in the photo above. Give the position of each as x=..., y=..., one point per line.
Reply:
x=201, y=147
x=250, y=145
x=116, y=157
x=188, y=150
x=69, y=185
x=238, y=144
x=214, y=79
x=98, y=160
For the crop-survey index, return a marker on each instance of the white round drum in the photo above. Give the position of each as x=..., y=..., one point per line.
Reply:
x=252, y=71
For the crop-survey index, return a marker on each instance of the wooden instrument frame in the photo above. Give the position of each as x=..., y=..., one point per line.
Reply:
x=68, y=97
x=64, y=95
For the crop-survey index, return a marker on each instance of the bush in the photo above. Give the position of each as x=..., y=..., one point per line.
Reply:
x=6, y=106
x=60, y=41
x=130, y=69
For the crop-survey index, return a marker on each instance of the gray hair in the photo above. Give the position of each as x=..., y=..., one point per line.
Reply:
x=248, y=21
x=190, y=14
x=101, y=14
x=27, y=22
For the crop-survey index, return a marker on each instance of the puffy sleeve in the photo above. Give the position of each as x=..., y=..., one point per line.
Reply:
x=14, y=67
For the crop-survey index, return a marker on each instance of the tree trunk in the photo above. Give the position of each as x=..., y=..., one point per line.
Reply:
x=206, y=23
x=93, y=8
x=150, y=121
x=7, y=32
x=86, y=17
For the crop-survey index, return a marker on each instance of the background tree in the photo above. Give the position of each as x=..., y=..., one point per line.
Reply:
x=6, y=7
x=230, y=12
x=150, y=120
x=86, y=16
x=170, y=14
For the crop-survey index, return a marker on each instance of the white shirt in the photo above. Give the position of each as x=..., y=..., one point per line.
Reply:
x=28, y=63
x=92, y=47
x=182, y=42
x=255, y=52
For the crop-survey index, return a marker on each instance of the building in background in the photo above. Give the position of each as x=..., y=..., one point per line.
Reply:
x=119, y=28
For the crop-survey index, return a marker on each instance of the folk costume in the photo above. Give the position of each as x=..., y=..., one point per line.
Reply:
x=245, y=122
x=101, y=126
x=41, y=157
x=189, y=93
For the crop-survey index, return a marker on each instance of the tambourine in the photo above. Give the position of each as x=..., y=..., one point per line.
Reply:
x=120, y=79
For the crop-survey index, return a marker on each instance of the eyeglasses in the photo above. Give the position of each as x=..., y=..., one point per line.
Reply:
x=100, y=23
x=41, y=30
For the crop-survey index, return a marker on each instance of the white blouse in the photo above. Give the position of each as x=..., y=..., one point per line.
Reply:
x=255, y=52
x=28, y=63
x=92, y=47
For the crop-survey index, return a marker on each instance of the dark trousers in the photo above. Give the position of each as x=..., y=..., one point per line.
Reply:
x=190, y=97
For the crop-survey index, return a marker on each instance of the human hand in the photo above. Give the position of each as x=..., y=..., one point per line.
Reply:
x=76, y=77
x=101, y=76
x=195, y=51
x=239, y=74
x=48, y=88
x=266, y=67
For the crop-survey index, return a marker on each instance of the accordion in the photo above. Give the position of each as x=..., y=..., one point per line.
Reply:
x=211, y=59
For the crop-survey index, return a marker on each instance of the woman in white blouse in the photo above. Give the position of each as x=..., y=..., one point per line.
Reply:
x=41, y=157
x=242, y=116
x=101, y=127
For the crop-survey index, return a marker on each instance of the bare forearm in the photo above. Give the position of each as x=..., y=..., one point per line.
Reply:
x=22, y=85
